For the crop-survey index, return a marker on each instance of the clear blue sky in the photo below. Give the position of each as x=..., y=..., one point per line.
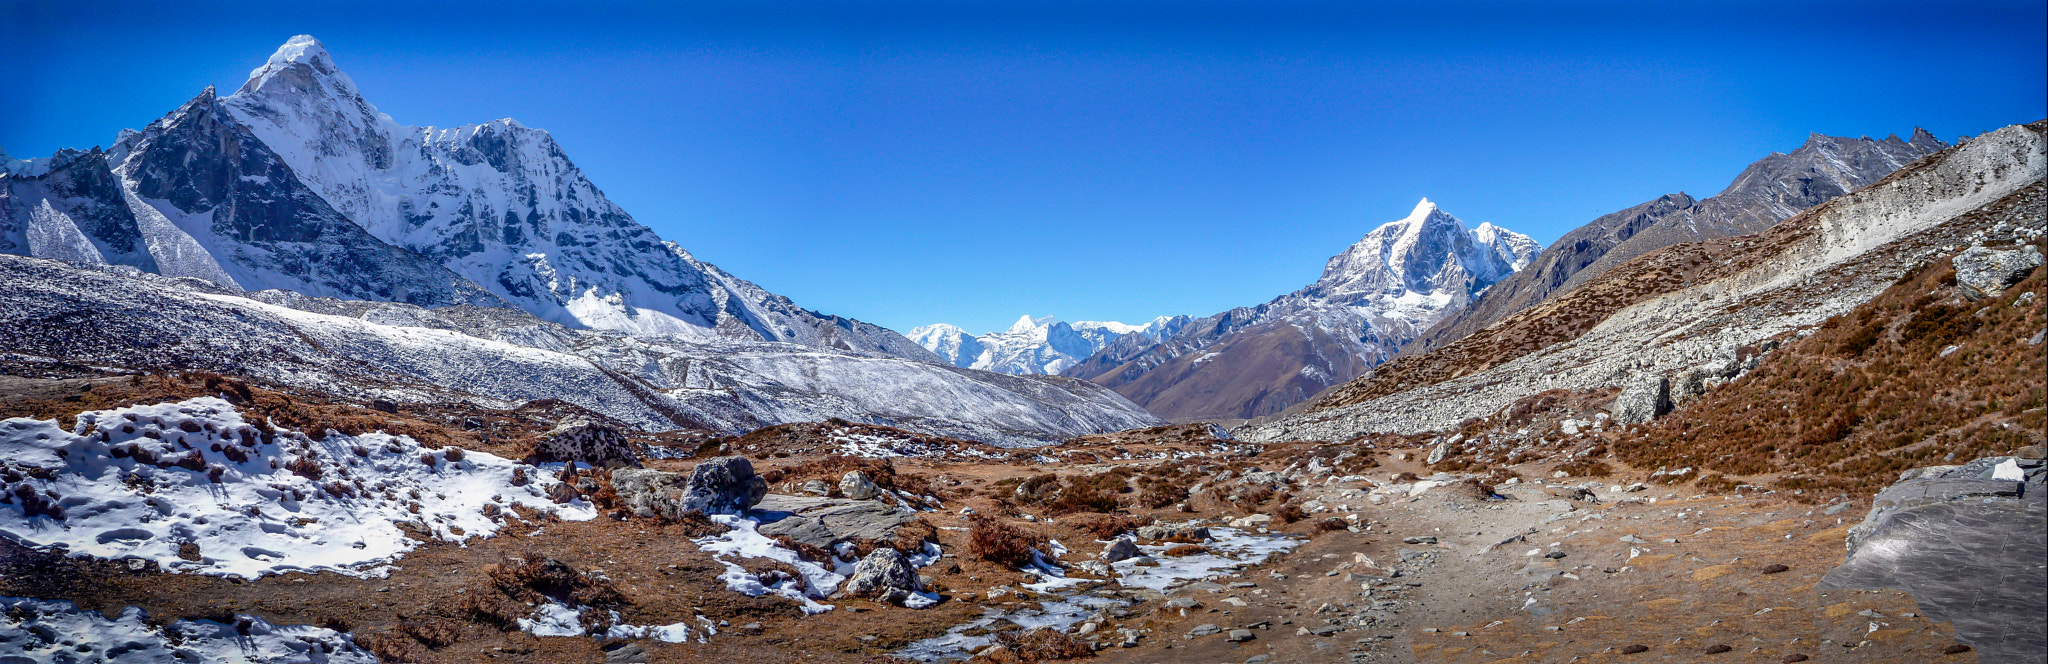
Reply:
x=913, y=162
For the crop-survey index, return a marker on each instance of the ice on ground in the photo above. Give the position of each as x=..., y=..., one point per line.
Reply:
x=1229, y=549
x=154, y=482
x=743, y=541
x=33, y=630
x=555, y=618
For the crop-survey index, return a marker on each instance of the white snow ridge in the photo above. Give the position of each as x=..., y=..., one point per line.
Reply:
x=148, y=483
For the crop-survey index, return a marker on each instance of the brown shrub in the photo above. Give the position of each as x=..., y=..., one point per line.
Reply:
x=393, y=648
x=1330, y=524
x=1289, y=513
x=485, y=605
x=434, y=633
x=533, y=576
x=1179, y=550
x=1041, y=645
x=1110, y=525
x=1000, y=543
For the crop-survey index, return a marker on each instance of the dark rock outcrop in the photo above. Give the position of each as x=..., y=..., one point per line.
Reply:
x=1968, y=541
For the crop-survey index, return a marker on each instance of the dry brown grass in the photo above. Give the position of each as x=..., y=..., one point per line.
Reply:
x=1041, y=645
x=1000, y=543
x=1868, y=394
x=1110, y=525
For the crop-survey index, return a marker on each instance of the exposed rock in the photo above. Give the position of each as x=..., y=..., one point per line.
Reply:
x=1184, y=530
x=856, y=485
x=886, y=576
x=818, y=488
x=1645, y=399
x=1240, y=635
x=585, y=441
x=1982, y=273
x=723, y=485
x=1263, y=477
x=1204, y=629
x=1120, y=549
x=824, y=522
x=1968, y=547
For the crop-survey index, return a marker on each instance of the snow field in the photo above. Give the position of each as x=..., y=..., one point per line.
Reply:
x=59, y=632
x=149, y=483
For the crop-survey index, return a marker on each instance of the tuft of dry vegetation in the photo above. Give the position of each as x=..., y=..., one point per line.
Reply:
x=1041, y=645
x=1000, y=543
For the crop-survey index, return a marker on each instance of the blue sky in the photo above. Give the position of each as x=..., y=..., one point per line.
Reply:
x=913, y=162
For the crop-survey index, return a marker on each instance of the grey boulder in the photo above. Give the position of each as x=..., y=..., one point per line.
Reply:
x=1982, y=273
x=856, y=485
x=1969, y=546
x=1120, y=549
x=824, y=522
x=1644, y=399
x=885, y=576
x=585, y=441
x=721, y=485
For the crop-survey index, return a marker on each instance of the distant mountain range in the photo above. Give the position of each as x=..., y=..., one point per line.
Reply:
x=1044, y=345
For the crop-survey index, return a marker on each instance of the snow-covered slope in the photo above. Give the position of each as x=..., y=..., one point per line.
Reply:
x=1375, y=296
x=501, y=204
x=69, y=208
x=500, y=357
x=1043, y=345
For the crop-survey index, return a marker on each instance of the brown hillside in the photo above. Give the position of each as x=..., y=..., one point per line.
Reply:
x=1870, y=394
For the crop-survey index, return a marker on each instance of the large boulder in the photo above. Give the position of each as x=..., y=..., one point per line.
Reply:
x=825, y=522
x=886, y=576
x=722, y=485
x=585, y=441
x=1192, y=531
x=1982, y=273
x=1120, y=549
x=856, y=485
x=1644, y=399
x=1968, y=542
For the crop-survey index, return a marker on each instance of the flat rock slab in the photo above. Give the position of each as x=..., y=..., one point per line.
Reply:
x=822, y=522
x=1970, y=550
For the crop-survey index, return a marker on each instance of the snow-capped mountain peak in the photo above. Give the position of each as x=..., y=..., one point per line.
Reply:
x=500, y=203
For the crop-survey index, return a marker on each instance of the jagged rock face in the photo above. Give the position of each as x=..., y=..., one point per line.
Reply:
x=1767, y=192
x=1968, y=542
x=501, y=204
x=71, y=210
x=1373, y=298
x=212, y=202
x=1044, y=345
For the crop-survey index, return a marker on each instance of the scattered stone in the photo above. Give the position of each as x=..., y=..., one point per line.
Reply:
x=1634, y=648
x=1719, y=648
x=1241, y=635
x=577, y=439
x=1956, y=649
x=1253, y=521
x=820, y=488
x=1554, y=555
x=856, y=485
x=1204, y=629
x=885, y=576
x=1419, y=539
x=1794, y=657
x=1190, y=530
x=1120, y=549
x=631, y=653
x=1774, y=569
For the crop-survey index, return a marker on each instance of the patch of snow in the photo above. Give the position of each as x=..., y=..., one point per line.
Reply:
x=142, y=481
x=35, y=630
x=743, y=541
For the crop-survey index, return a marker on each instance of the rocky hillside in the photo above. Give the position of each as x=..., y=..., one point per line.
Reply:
x=1373, y=298
x=1698, y=313
x=1767, y=192
x=56, y=315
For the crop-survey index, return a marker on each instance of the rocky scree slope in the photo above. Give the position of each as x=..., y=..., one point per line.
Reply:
x=1768, y=191
x=1373, y=298
x=500, y=357
x=1692, y=309
x=1043, y=345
